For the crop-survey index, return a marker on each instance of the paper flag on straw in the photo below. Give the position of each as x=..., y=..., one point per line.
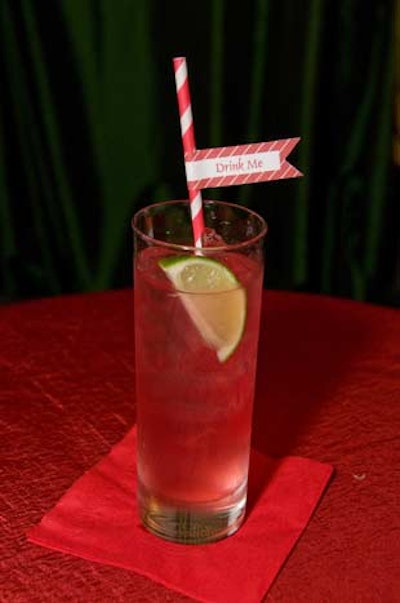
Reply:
x=240, y=164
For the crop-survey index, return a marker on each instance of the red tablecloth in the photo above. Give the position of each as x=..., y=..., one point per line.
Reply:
x=328, y=388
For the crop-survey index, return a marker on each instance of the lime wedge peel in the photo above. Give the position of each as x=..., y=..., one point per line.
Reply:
x=213, y=297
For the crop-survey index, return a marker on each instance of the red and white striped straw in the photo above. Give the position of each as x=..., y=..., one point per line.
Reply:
x=189, y=144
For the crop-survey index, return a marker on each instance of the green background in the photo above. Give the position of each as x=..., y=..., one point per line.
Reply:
x=90, y=132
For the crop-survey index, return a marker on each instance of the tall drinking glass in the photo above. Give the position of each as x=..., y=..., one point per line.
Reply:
x=197, y=318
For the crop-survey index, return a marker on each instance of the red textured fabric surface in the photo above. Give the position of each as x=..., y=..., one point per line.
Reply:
x=328, y=388
x=97, y=519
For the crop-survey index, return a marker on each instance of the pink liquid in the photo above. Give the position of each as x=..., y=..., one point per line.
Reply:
x=194, y=412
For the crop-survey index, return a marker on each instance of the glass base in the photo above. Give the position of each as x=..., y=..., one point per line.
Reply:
x=198, y=524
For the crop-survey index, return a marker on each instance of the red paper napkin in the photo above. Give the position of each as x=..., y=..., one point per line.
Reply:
x=97, y=520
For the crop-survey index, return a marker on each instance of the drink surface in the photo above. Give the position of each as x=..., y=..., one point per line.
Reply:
x=194, y=411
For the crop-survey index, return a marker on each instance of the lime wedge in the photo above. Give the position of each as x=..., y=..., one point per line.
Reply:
x=213, y=297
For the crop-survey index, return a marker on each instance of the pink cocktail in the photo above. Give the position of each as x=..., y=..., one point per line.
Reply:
x=196, y=332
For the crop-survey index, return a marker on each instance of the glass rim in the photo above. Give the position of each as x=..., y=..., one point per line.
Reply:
x=192, y=248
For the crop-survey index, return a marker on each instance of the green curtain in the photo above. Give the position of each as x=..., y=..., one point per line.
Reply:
x=90, y=132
